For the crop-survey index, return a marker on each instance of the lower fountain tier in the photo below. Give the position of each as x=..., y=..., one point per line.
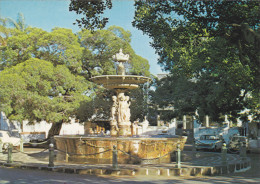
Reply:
x=120, y=81
x=134, y=150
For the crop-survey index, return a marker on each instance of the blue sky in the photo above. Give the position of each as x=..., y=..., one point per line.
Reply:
x=47, y=14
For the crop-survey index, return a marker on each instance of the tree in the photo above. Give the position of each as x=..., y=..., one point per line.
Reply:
x=207, y=42
x=37, y=90
x=85, y=54
x=101, y=45
x=19, y=24
x=90, y=8
x=5, y=29
x=226, y=19
x=212, y=46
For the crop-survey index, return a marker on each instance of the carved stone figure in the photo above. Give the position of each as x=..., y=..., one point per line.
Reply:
x=145, y=122
x=121, y=69
x=120, y=56
x=127, y=109
x=121, y=99
x=114, y=108
x=123, y=108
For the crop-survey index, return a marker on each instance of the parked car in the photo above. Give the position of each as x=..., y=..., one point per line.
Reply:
x=7, y=139
x=236, y=141
x=209, y=142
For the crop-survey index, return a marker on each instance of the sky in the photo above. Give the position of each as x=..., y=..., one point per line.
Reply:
x=47, y=14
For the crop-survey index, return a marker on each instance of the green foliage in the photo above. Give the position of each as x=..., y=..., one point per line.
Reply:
x=86, y=53
x=45, y=75
x=101, y=45
x=59, y=46
x=36, y=90
x=139, y=103
x=4, y=31
x=91, y=9
x=19, y=24
x=99, y=107
x=211, y=49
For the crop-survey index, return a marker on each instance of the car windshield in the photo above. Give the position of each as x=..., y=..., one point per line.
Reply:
x=209, y=137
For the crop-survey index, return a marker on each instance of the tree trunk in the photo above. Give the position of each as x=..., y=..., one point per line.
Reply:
x=55, y=129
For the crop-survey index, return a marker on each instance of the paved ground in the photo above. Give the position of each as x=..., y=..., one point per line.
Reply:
x=34, y=156
x=254, y=172
x=189, y=158
x=18, y=176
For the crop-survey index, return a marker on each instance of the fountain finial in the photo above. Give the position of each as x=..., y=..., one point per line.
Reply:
x=120, y=57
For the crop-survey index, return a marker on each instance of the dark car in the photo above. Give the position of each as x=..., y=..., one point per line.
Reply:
x=236, y=141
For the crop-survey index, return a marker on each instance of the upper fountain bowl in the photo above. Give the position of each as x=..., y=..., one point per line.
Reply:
x=120, y=81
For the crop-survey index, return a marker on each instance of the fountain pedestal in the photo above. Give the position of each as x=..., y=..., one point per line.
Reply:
x=124, y=129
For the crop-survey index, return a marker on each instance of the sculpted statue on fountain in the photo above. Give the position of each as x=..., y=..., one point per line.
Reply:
x=123, y=108
x=114, y=108
x=120, y=56
x=120, y=112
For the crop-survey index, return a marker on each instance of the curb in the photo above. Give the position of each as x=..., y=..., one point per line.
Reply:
x=239, y=166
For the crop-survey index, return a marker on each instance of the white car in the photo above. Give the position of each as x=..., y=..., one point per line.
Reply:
x=209, y=142
x=7, y=139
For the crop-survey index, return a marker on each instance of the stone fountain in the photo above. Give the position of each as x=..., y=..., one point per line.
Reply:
x=132, y=149
x=120, y=111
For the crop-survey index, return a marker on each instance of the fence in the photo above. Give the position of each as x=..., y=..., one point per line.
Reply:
x=114, y=151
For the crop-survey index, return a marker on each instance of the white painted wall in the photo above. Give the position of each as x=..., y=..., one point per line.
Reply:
x=72, y=128
x=155, y=130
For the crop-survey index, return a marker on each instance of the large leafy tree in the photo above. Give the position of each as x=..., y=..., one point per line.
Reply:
x=37, y=90
x=234, y=21
x=214, y=45
x=84, y=54
x=211, y=49
x=59, y=46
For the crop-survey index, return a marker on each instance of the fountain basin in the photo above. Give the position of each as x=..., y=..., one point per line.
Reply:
x=134, y=150
x=120, y=81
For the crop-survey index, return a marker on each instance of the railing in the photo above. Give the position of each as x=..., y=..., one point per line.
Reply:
x=114, y=151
